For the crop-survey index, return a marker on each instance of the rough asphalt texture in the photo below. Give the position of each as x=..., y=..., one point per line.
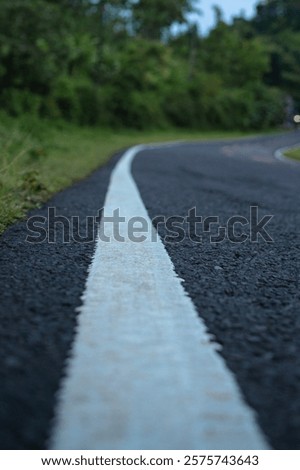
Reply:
x=248, y=293
x=251, y=305
x=40, y=288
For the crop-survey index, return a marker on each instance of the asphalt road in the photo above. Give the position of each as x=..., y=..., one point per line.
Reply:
x=247, y=293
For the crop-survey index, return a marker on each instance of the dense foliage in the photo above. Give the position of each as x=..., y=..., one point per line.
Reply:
x=141, y=63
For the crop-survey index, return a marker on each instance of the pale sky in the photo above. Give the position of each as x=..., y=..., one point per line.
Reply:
x=229, y=7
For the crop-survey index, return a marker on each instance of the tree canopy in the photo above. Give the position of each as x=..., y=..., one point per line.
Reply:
x=142, y=63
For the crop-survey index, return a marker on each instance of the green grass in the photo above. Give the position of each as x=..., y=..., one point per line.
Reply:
x=294, y=154
x=39, y=158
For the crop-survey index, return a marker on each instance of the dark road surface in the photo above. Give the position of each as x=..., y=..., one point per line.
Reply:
x=247, y=293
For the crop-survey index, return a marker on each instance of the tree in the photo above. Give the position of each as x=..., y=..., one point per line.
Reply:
x=275, y=15
x=152, y=19
x=235, y=59
x=279, y=22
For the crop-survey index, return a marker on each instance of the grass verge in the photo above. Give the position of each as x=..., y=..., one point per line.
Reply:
x=294, y=154
x=39, y=158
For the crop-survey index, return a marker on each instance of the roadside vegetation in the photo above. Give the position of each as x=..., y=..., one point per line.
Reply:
x=40, y=157
x=80, y=79
x=294, y=154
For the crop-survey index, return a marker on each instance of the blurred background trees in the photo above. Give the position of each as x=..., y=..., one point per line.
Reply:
x=141, y=63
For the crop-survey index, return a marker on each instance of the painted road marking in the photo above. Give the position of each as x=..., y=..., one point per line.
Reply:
x=143, y=373
x=279, y=154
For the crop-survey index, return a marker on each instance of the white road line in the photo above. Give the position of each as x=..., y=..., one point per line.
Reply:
x=143, y=373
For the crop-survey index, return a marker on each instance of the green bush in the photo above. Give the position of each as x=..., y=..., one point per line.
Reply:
x=269, y=107
x=66, y=99
x=18, y=102
x=253, y=107
x=90, y=104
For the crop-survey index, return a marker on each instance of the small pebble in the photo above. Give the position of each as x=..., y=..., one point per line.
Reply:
x=218, y=268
